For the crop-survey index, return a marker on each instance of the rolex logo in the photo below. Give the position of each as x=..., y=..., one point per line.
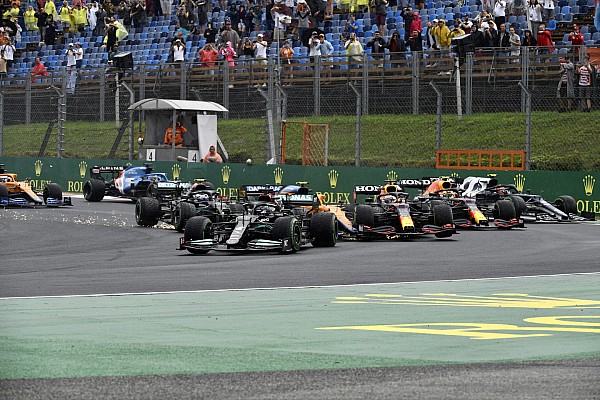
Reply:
x=454, y=175
x=520, y=182
x=333, y=177
x=38, y=167
x=82, y=169
x=391, y=176
x=176, y=171
x=225, y=173
x=588, y=184
x=278, y=173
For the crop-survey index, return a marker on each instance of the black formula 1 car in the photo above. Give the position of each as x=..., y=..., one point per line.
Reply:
x=176, y=202
x=118, y=181
x=528, y=207
x=467, y=212
x=15, y=193
x=387, y=213
x=260, y=222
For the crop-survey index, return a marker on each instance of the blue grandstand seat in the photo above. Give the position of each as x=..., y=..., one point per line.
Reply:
x=551, y=25
x=559, y=17
x=596, y=36
x=568, y=18
x=565, y=10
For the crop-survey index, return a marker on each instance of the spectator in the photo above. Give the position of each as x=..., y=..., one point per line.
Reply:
x=138, y=13
x=101, y=20
x=515, y=43
x=257, y=14
x=499, y=12
x=326, y=50
x=287, y=52
x=178, y=50
x=38, y=70
x=51, y=29
x=210, y=34
x=528, y=39
x=397, y=48
x=587, y=75
x=407, y=16
x=42, y=22
x=354, y=52
x=502, y=39
x=576, y=39
x=490, y=35
x=466, y=24
x=416, y=41
x=241, y=21
x=80, y=14
x=269, y=16
x=260, y=55
x=71, y=68
x=566, y=89
x=208, y=57
x=212, y=156
x=381, y=15
x=314, y=47
x=9, y=52
x=30, y=19
x=351, y=26
x=430, y=38
x=279, y=20
x=78, y=55
x=478, y=38
x=456, y=31
x=229, y=35
x=378, y=45
x=13, y=11
x=548, y=10
x=182, y=15
x=303, y=16
x=50, y=9
x=534, y=17
x=202, y=16
x=124, y=13
x=416, y=24
x=3, y=68
x=442, y=38
x=166, y=7
x=317, y=12
x=228, y=54
x=92, y=15
x=544, y=41
x=110, y=40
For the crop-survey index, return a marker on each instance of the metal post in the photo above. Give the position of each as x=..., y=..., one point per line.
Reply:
x=416, y=68
x=365, y=84
x=358, y=118
x=527, y=126
x=272, y=157
x=438, y=130
x=142, y=75
x=317, y=86
x=283, y=102
x=524, y=75
x=183, y=84
x=117, y=101
x=28, y=98
x=173, y=131
x=469, y=85
x=226, y=88
x=458, y=88
x=131, y=122
x=102, y=93
x=62, y=113
x=1, y=115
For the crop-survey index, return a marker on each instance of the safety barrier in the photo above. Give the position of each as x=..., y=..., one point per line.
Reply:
x=508, y=160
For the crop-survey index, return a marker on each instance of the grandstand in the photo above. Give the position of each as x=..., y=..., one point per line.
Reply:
x=149, y=44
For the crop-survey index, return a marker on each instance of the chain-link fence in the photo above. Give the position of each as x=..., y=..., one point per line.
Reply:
x=391, y=111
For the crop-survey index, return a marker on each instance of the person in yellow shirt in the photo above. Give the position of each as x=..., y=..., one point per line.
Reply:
x=30, y=19
x=65, y=16
x=50, y=9
x=13, y=11
x=80, y=14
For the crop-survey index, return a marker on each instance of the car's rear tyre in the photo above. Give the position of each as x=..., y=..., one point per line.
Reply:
x=519, y=203
x=237, y=209
x=184, y=212
x=3, y=195
x=93, y=190
x=147, y=211
x=288, y=228
x=505, y=210
x=323, y=229
x=52, y=191
x=197, y=228
x=566, y=204
x=364, y=215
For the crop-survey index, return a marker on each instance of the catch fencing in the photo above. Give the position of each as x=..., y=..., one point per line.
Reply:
x=392, y=111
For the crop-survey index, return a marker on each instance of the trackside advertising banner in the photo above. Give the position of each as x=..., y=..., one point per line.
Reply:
x=335, y=183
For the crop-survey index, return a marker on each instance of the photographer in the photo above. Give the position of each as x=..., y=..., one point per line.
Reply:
x=378, y=46
x=354, y=52
x=566, y=88
x=9, y=53
x=314, y=47
x=71, y=54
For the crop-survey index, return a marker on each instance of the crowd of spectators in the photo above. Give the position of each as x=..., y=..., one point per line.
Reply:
x=251, y=27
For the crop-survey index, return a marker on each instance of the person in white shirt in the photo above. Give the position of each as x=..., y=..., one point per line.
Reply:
x=260, y=56
x=71, y=68
x=78, y=55
x=9, y=53
x=314, y=46
x=178, y=50
x=548, y=10
x=500, y=12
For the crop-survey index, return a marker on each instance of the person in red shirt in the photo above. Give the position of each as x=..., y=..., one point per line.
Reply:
x=208, y=57
x=544, y=41
x=39, y=69
x=576, y=39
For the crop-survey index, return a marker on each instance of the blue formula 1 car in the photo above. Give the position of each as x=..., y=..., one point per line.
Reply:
x=118, y=181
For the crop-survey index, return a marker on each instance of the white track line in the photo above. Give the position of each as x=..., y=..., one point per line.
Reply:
x=296, y=287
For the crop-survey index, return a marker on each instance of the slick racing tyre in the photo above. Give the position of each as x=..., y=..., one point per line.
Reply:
x=566, y=204
x=519, y=203
x=288, y=228
x=505, y=210
x=323, y=229
x=197, y=228
x=365, y=215
x=52, y=191
x=147, y=211
x=184, y=212
x=442, y=216
x=93, y=190
x=3, y=195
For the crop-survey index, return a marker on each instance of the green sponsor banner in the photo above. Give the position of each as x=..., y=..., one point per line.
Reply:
x=335, y=183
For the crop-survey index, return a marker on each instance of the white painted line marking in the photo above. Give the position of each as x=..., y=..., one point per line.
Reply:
x=296, y=287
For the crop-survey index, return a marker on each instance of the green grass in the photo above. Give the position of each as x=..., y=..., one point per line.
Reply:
x=558, y=141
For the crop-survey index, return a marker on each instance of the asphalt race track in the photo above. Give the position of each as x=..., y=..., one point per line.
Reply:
x=94, y=249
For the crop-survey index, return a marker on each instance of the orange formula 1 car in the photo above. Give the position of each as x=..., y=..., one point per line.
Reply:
x=14, y=193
